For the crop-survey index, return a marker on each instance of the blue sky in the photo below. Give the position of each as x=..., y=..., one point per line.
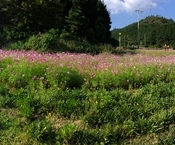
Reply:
x=122, y=12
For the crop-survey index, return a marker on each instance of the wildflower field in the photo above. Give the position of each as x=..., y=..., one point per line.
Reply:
x=80, y=99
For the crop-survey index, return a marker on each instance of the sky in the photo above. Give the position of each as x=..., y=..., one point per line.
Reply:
x=125, y=12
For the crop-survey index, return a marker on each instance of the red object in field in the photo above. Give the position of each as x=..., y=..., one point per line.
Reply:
x=165, y=47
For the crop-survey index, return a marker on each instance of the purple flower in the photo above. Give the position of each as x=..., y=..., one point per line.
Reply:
x=34, y=77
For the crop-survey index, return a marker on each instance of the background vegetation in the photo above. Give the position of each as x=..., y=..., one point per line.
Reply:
x=56, y=25
x=155, y=31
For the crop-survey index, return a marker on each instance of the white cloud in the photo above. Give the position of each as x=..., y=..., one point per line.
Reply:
x=129, y=6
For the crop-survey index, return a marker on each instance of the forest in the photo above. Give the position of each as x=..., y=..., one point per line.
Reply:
x=154, y=32
x=54, y=23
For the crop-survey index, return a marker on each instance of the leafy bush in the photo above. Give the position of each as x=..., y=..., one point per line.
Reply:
x=78, y=47
x=42, y=42
x=18, y=45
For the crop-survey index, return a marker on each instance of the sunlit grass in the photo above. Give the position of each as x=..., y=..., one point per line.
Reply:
x=158, y=52
x=68, y=98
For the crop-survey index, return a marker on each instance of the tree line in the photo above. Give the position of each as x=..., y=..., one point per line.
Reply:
x=72, y=19
x=154, y=31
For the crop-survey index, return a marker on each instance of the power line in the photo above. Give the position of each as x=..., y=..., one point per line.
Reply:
x=151, y=11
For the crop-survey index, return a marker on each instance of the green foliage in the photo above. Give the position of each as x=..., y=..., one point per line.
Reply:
x=133, y=77
x=37, y=103
x=5, y=122
x=76, y=23
x=20, y=75
x=42, y=42
x=72, y=104
x=85, y=137
x=150, y=36
x=78, y=47
x=63, y=106
x=172, y=45
x=4, y=63
x=6, y=101
x=23, y=19
x=65, y=133
x=18, y=45
x=168, y=137
x=133, y=113
x=27, y=106
x=65, y=78
x=80, y=20
x=10, y=125
x=43, y=131
x=88, y=20
x=51, y=42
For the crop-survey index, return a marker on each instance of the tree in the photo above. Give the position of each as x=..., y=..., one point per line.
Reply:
x=89, y=19
x=81, y=19
x=103, y=23
x=27, y=17
x=76, y=21
x=3, y=20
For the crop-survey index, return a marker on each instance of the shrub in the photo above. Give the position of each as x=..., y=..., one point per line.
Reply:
x=42, y=42
x=75, y=46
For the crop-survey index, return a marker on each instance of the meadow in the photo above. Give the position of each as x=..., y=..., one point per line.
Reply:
x=83, y=99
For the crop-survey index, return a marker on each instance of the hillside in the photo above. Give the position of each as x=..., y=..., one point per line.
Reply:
x=154, y=31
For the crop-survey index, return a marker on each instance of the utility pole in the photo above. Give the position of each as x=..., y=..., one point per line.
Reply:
x=138, y=12
x=150, y=9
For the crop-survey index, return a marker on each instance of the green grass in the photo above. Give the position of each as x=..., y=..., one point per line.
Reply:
x=42, y=103
x=158, y=52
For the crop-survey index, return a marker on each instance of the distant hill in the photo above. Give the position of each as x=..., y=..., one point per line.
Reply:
x=154, y=31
